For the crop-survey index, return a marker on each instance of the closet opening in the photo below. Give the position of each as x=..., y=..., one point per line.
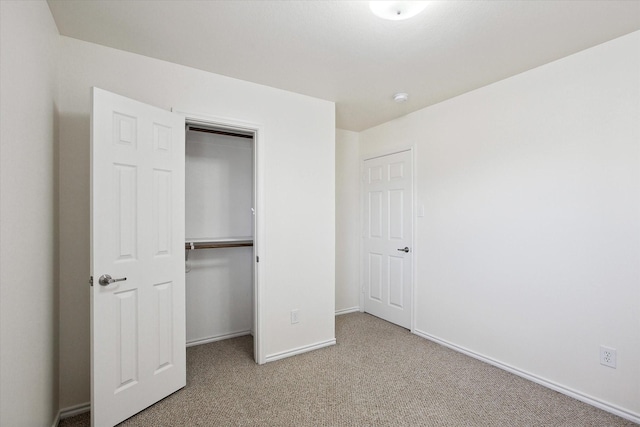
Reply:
x=221, y=244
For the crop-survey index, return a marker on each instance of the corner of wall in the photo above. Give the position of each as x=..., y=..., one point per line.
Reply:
x=347, y=221
x=28, y=205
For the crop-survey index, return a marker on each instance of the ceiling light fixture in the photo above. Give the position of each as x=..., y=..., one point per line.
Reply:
x=397, y=10
x=401, y=97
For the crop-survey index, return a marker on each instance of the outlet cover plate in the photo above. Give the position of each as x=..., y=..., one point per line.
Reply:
x=608, y=356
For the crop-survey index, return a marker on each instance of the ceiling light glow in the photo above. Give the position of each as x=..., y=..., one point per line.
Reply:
x=397, y=10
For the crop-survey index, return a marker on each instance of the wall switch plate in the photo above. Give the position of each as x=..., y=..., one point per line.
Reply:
x=295, y=316
x=608, y=356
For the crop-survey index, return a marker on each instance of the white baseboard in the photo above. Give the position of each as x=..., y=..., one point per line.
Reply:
x=590, y=400
x=299, y=350
x=71, y=411
x=56, y=420
x=347, y=310
x=207, y=340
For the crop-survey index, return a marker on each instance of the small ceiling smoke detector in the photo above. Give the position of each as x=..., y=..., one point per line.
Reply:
x=397, y=10
x=401, y=97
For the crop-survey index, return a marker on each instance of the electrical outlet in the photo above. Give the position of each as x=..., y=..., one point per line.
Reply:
x=608, y=356
x=295, y=318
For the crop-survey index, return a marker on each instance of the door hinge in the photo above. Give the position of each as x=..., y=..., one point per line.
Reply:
x=90, y=280
x=257, y=259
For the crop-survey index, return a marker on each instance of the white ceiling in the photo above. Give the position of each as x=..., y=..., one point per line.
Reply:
x=340, y=51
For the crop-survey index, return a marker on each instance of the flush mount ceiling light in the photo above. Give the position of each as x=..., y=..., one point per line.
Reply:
x=397, y=10
x=401, y=97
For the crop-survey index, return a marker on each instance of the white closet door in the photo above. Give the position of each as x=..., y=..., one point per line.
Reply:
x=388, y=232
x=138, y=351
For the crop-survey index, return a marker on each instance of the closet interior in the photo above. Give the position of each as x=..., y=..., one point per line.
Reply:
x=219, y=229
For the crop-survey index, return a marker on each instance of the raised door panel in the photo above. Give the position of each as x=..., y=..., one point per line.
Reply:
x=375, y=209
x=162, y=207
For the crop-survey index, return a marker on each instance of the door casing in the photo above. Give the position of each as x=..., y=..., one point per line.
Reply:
x=258, y=201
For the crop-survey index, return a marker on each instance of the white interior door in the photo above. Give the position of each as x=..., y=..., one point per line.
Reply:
x=388, y=231
x=138, y=353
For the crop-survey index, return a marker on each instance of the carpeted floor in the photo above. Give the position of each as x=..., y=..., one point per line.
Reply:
x=377, y=375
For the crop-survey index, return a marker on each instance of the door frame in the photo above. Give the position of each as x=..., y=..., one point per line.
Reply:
x=259, y=246
x=412, y=149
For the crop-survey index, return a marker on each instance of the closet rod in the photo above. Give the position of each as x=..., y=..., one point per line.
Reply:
x=218, y=132
x=215, y=245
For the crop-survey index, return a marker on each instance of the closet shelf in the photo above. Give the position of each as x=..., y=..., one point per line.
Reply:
x=213, y=243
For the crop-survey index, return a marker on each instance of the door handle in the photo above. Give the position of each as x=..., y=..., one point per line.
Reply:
x=106, y=280
x=405, y=249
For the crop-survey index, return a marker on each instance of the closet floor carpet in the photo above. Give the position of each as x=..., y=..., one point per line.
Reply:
x=377, y=375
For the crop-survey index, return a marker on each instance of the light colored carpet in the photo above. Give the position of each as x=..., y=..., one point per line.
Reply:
x=377, y=375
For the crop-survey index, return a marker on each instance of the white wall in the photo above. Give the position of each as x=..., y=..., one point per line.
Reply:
x=219, y=185
x=529, y=253
x=299, y=147
x=347, y=221
x=28, y=274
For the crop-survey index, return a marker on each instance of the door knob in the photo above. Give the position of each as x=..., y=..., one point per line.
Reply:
x=405, y=249
x=106, y=280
